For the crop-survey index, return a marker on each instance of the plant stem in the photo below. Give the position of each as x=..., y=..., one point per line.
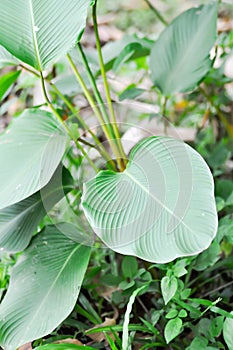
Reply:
x=157, y=13
x=102, y=150
x=164, y=108
x=106, y=86
x=220, y=114
x=96, y=111
x=57, y=115
x=94, y=85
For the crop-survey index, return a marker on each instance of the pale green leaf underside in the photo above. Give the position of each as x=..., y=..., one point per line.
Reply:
x=30, y=151
x=180, y=57
x=160, y=208
x=39, y=32
x=43, y=289
x=6, y=59
x=227, y=332
x=19, y=221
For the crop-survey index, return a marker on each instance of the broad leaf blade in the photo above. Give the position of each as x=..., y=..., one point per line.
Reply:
x=39, y=32
x=19, y=221
x=43, y=289
x=6, y=81
x=30, y=151
x=160, y=208
x=180, y=57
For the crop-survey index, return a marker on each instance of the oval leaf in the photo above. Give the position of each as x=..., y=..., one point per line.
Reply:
x=227, y=332
x=43, y=289
x=38, y=33
x=19, y=221
x=168, y=287
x=180, y=57
x=160, y=208
x=30, y=151
x=172, y=329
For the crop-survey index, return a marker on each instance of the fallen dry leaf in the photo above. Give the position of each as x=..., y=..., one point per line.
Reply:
x=27, y=346
x=99, y=337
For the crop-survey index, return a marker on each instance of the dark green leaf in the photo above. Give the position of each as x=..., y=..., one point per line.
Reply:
x=6, y=81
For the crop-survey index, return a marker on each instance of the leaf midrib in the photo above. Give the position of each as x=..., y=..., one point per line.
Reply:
x=50, y=290
x=35, y=42
x=182, y=59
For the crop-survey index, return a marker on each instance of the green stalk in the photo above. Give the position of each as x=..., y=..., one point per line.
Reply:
x=157, y=13
x=107, y=90
x=96, y=111
x=94, y=85
x=102, y=150
x=57, y=115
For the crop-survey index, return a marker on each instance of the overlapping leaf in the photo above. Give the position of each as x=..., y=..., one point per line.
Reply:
x=180, y=57
x=43, y=289
x=19, y=221
x=30, y=151
x=160, y=208
x=39, y=32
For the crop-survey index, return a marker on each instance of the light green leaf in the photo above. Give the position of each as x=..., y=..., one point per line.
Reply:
x=168, y=287
x=160, y=208
x=172, y=329
x=39, y=32
x=6, y=81
x=180, y=57
x=6, y=58
x=43, y=289
x=227, y=332
x=125, y=335
x=19, y=221
x=30, y=151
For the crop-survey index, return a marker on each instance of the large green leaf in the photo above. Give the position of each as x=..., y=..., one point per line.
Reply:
x=6, y=59
x=160, y=208
x=19, y=221
x=30, y=151
x=6, y=81
x=39, y=32
x=180, y=57
x=43, y=289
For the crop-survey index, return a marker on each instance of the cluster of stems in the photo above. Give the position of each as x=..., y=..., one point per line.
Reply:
x=104, y=112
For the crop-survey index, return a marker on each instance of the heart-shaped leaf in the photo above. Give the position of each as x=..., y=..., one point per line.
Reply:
x=43, y=289
x=19, y=221
x=39, y=32
x=160, y=208
x=180, y=57
x=30, y=151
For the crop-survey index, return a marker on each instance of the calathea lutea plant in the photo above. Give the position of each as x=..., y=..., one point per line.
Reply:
x=155, y=203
